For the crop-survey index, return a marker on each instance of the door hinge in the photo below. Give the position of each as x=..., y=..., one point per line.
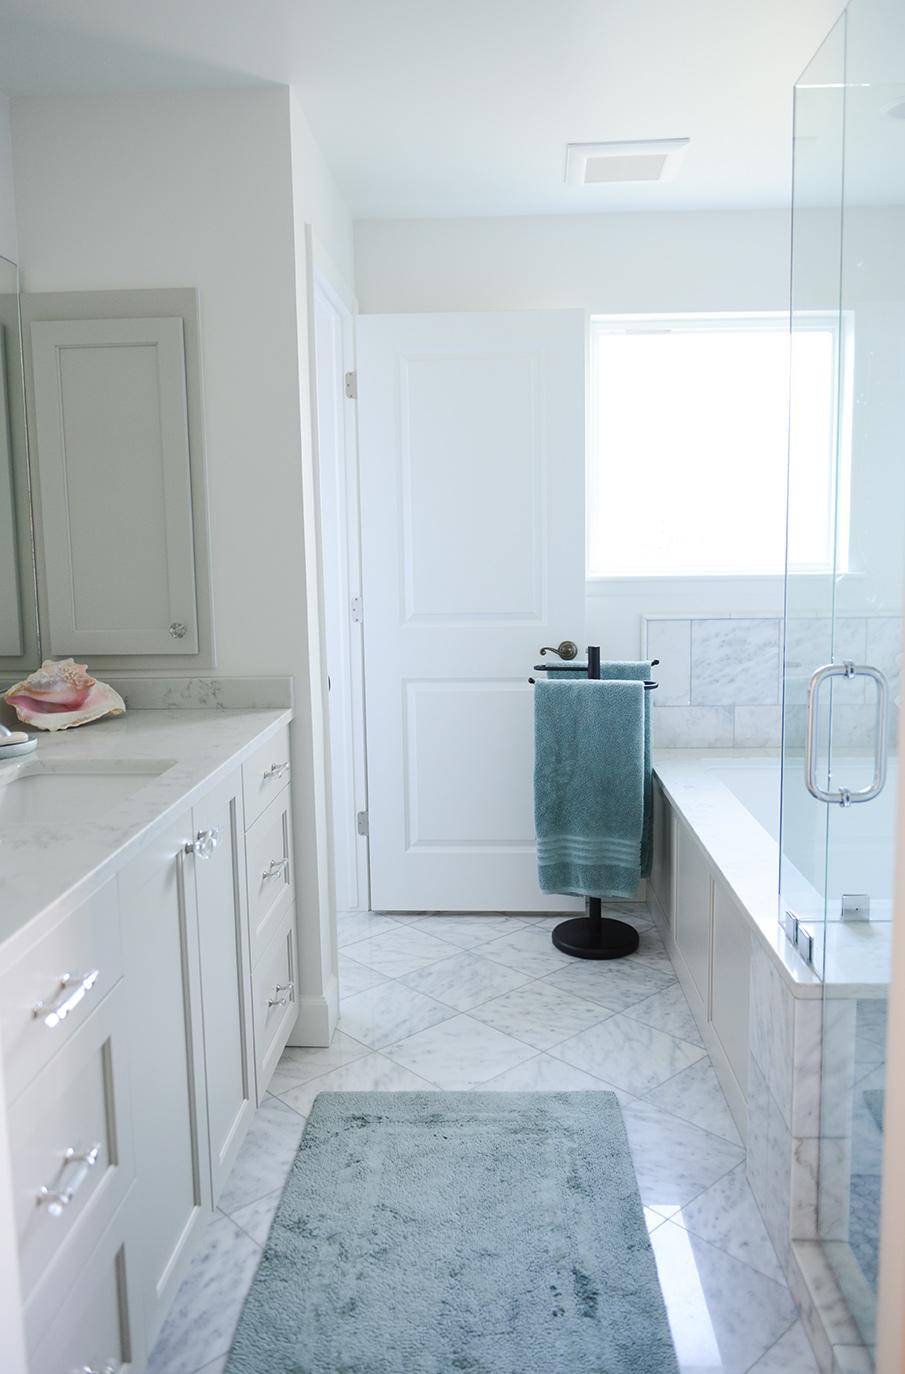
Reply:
x=358, y=614
x=351, y=386
x=361, y=822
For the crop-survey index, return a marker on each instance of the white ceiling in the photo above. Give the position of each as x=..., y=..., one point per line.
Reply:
x=464, y=107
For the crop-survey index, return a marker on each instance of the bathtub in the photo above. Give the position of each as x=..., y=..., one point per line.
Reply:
x=729, y=804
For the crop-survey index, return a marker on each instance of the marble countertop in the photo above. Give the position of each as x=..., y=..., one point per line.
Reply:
x=46, y=868
x=856, y=957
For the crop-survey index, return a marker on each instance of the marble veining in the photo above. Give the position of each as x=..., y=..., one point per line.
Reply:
x=634, y=1056
x=727, y=1216
x=695, y=1095
x=465, y=980
x=46, y=866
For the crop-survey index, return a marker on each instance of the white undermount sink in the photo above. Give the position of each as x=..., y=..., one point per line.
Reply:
x=36, y=793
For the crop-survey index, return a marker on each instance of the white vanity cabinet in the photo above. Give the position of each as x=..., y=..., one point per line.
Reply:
x=218, y=872
x=166, y=1063
x=139, y=1031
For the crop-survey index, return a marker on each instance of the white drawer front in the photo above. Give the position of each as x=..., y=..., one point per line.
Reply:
x=38, y=1013
x=268, y=849
x=97, y=1324
x=274, y=999
x=265, y=774
x=71, y=1154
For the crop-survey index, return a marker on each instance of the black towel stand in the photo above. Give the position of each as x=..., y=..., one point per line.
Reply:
x=596, y=936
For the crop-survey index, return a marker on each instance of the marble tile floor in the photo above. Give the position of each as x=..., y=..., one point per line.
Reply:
x=486, y=1002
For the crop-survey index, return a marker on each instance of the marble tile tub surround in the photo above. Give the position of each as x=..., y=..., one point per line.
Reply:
x=721, y=677
x=433, y=1002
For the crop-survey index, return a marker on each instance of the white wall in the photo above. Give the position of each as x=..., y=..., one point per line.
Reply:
x=196, y=189
x=645, y=263
x=605, y=264
x=8, y=240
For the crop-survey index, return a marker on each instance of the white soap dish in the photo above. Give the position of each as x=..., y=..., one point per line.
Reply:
x=12, y=751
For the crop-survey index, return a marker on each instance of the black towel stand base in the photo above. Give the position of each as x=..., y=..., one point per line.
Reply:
x=595, y=936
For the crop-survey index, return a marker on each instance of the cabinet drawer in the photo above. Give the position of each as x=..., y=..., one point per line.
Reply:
x=268, y=850
x=274, y=999
x=71, y=1154
x=265, y=774
x=97, y=1324
x=38, y=1013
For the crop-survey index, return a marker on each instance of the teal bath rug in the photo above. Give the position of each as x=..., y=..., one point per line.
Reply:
x=458, y=1233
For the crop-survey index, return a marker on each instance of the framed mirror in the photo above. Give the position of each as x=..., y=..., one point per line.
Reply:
x=19, y=638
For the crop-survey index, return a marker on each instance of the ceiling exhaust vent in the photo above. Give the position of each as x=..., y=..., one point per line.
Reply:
x=642, y=159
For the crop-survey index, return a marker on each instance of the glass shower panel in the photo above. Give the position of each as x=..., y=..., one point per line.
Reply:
x=816, y=323
x=838, y=850
x=869, y=595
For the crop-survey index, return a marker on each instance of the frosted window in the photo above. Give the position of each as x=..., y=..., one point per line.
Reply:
x=689, y=447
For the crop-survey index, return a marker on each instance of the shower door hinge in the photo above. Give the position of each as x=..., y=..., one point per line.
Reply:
x=855, y=906
x=799, y=936
x=361, y=822
x=358, y=613
x=351, y=386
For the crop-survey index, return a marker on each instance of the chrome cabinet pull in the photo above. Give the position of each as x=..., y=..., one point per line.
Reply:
x=204, y=843
x=276, y=770
x=58, y=1199
x=845, y=796
x=277, y=868
x=284, y=994
x=72, y=988
x=567, y=650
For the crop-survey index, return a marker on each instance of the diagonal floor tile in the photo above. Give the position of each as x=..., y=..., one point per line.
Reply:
x=626, y=1052
x=543, y=1074
x=352, y=926
x=399, y=951
x=541, y=1014
x=723, y=1315
x=674, y=1161
x=695, y=1094
x=459, y=1054
x=298, y=1065
x=465, y=980
x=792, y=1354
x=255, y=1217
x=388, y=1013
x=355, y=977
x=201, y=1322
x=529, y=950
x=727, y=1216
x=668, y=1011
x=469, y=931
x=266, y=1154
x=374, y=1073
x=617, y=984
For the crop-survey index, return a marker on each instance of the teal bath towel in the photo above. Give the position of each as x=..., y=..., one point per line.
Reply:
x=589, y=767
x=620, y=670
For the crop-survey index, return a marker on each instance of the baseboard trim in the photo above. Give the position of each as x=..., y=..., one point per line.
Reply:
x=317, y=1018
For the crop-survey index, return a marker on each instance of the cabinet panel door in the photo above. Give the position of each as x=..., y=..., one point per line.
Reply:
x=114, y=482
x=160, y=933
x=225, y=976
x=692, y=918
x=731, y=975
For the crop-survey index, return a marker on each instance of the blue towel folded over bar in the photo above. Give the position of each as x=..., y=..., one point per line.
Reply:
x=590, y=763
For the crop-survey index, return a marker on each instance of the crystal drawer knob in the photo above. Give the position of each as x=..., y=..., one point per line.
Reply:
x=178, y=630
x=204, y=843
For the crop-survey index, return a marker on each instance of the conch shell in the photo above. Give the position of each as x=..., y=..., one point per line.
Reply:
x=61, y=694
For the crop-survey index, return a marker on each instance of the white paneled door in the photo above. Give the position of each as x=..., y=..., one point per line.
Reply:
x=471, y=435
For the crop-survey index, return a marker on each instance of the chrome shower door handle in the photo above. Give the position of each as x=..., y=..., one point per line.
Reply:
x=845, y=796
